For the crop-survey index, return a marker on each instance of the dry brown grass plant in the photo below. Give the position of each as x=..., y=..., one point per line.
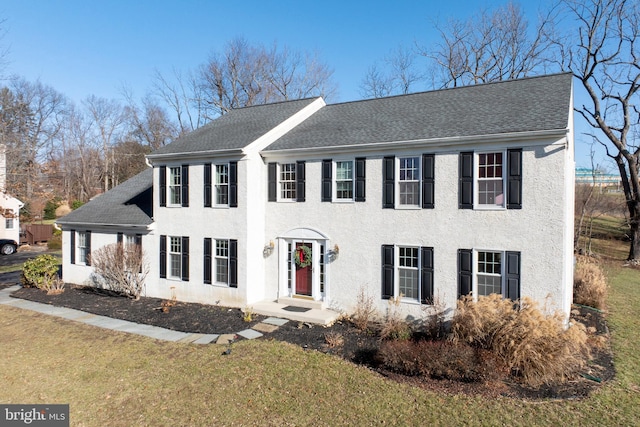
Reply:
x=589, y=284
x=365, y=310
x=477, y=323
x=394, y=327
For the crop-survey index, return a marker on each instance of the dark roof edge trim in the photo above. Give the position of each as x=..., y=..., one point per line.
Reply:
x=196, y=154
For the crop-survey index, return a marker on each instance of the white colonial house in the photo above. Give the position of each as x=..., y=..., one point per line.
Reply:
x=427, y=197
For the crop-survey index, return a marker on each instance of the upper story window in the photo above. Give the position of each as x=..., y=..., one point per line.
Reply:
x=490, y=180
x=221, y=185
x=409, y=182
x=175, y=185
x=286, y=181
x=344, y=180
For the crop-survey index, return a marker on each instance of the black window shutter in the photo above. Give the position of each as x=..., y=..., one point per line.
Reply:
x=87, y=257
x=388, y=182
x=119, y=238
x=465, y=181
x=513, y=276
x=185, y=259
x=361, y=172
x=207, y=260
x=233, y=263
x=272, y=183
x=426, y=283
x=163, y=257
x=514, y=179
x=139, y=240
x=428, y=181
x=207, y=185
x=387, y=271
x=139, y=250
x=72, y=255
x=233, y=184
x=163, y=186
x=327, y=172
x=185, y=186
x=300, y=181
x=465, y=272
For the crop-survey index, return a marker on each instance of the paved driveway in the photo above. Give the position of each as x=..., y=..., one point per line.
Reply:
x=8, y=279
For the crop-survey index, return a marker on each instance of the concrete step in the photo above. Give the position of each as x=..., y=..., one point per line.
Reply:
x=301, y=302
x=311, y=315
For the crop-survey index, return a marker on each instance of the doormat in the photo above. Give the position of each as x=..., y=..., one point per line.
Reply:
x=296, y=309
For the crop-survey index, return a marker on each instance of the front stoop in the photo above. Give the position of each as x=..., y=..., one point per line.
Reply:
x=314, y=314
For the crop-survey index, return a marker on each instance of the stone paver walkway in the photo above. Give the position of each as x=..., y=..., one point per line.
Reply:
x=268, y=325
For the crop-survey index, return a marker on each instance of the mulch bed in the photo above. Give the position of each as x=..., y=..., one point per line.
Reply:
x=341, y=339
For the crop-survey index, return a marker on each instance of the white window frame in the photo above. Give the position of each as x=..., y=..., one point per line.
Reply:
x=175, y=254
x=477, y=180
x=399, y=268
x=174, y=179
x=293, y=190
x=335, y=180
x=218, y=185
x=221, y=255
x=477, y=274
x=418, y=181
x=81, y=247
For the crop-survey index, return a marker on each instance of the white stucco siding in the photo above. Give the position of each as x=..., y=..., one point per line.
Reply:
x=537, y=230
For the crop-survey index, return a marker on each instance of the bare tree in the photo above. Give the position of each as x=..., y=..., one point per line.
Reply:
x=149, y=124
x=398, y=75
x=604, y=56
x=243, y=75
x=108, y=119
x=490, y=47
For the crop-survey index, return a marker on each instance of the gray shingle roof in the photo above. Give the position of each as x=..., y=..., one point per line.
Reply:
x=130, y=203
x=236, y=129
x=530, y=104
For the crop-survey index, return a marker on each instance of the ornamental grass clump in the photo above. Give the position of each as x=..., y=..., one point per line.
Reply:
x=536, y=346
x=589, y=284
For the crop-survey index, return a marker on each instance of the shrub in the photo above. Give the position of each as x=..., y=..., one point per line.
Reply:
x=589, y=284
x=62, y=210
x=50, y=208
x=439, y=359
x=393, y=326
x=365, y=310
x=55, y=242
x=534, y=345
x=334, y=339
x=41, y=272
x=121, y=268
x=76, y=204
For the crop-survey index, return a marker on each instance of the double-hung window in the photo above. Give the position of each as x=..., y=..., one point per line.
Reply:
x=175, y=185
x=344, y=180
x=490, y=180
x=220, y=262
x=83, y=247
x=486, y=272
x=222, y=185
x=8, y=223
x=409, y=181
x=288, y=181
x=407, y=272
x=175, y=257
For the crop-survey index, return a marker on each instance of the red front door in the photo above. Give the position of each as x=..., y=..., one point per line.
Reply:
x=303, y=274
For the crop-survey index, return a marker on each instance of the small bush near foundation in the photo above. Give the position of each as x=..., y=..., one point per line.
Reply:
x=40, y=272
x=55, y=243
x=121, y=268
x=394, y=327
x=365, y=310
x=334, y=339
x=589, y=284
x=534, y=345
x=439, y=360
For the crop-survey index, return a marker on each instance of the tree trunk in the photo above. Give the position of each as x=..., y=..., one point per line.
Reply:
x=634, y=223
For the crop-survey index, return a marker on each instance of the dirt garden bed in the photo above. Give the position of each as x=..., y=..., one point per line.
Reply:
x=341, y=339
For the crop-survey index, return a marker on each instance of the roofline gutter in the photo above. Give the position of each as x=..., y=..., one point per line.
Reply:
x=101, y=224
x=150, y=158
x=436, y=142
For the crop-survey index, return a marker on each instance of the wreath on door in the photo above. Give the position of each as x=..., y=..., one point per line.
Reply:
x=303, y=256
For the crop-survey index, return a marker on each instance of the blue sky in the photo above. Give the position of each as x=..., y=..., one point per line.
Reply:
x=83, y=48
